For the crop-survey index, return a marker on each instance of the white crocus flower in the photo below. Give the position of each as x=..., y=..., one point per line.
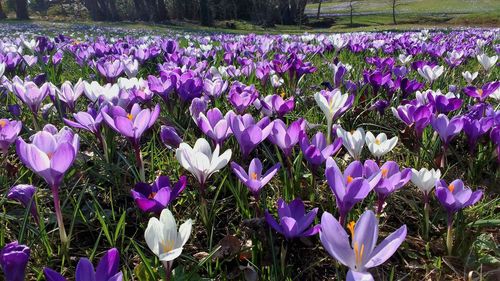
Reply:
x=164, y=240
x=200, y=160
x=336, y=100
x=276, y=81
x=94, y=90
x=353, y=141
x=431, y=73
x=496, y=94
x=425, y=179
x=469, y=77
x=486, y=61
x=380, y=145
x=2, y=69
x=404, y=59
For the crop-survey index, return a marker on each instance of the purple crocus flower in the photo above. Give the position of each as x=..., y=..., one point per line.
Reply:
x=157, y=196
x=13, y=261
x=242, y=96
x=392, y=179
x=23, y=193
x=275, y=105
x=50, y=155
x=169, y=137
x=254, y=179
x=214, y=125
x=474, y=129
x=249, y=133
x=484, y=92
x=69, y=93
x=286, y=138
x=131, y=125
x=361, y=253
x=417, y=117
x=317, y=151
x=442, y=103
x=349, y=187
x=9, y=130
x=110, y=68
x=30, y=94
x=446, y=128
x=214, y=88
x=454, y=197
x=198, y=105
x=293, y=220
x=107, y=269
x=89, y=121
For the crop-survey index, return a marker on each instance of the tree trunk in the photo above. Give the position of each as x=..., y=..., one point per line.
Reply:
x=394, y=12
x=351, y=10
x=2, y=13
x=319, y=8
x=205, y=16
x=162, y=11
x=22, y=9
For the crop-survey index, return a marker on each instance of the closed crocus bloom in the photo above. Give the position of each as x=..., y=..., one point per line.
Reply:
x=69, y=93
x=164, y=240
x=316, y=151
x=9, y=130
x=275, y=105
x=13, y=261
x=157, y=196
x=361, y=253
x=50, y=154
x=446, y=128
x=293, y=222
x=331, y=103
x=469, y=77
x=487, y=62
x=456, y=196
x=23, y=193
x=249, y=133
x=474, y=129
x=200, y=160
x=93, y=91
x=349, y=187
x=90, y=121
x=254, y=179
x=286, y=138
x=214, y=125
x=353, y=141
x=107, y=269
x=30, y=94
x=169, y=137
x=110, y=67
x=131, y=124
x=242, y=96
x=416, y=117
x=425, y=179
x=380, y=145
x=214, y=88
x=431, y=73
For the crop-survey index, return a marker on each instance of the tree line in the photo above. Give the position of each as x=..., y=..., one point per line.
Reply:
x=263, y=12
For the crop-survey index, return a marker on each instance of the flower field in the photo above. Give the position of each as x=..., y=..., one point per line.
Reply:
x=199, y=156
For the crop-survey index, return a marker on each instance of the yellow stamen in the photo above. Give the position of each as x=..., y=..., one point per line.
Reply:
x=3, y=123
x=350, y=226
x=167, y=245
x=253, y=176
x=130, y=117
x=352, y=132
x=282, y=94
x=377, y=141
x=152, y=195
x=349, y=179
x=384, y=172
x=480, y=92
x=451, y=187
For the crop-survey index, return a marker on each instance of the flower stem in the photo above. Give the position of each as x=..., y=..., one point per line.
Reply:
x=426, y=216
x=449, y=234
x=140, y=162
x=329, y=132
x=168, y=270
x=380, y=204
x=59, y=217
x=104, y=146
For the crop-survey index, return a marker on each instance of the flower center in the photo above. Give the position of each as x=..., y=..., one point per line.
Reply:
x=451, y=187
x=480, y=92
x=130, y=117
x=3, y=123
x=152, y=195
x=384, y=172
x=352, y=132
x=49, y=154
x=167, y=245
x=253, y=176
x=349, y=179
x=282, y=94
x=377, y=141
x=358, y=254
x=351, y=226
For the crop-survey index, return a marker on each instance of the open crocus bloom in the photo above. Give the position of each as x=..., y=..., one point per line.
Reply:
x=157, y=196
x=361, y=253
x=487, y=62
x=391, y=179
x=317, y=151
x=249, y=133
x=380, y=145
x=456, y=196
x=425, y=179
x=353, y=141
x=254, y=179
x=293, y=220
x=469, y=77
x=286, y=138
x=107, y=269
x=331, y=102
x=447, y=128
x=200, y=160
x=162, y=236
x=50, y=154
x=431, y=73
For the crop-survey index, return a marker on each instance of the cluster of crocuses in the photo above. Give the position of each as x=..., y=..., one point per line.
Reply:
x=250, y=88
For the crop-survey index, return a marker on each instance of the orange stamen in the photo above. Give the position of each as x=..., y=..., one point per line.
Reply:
x=480, y=92
x=384, y=172
x=3, y=123
x=152, y=195
x=253, y=176
x=349, y=179
x=451, y=187
x=130, y=117
x=350, y=226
